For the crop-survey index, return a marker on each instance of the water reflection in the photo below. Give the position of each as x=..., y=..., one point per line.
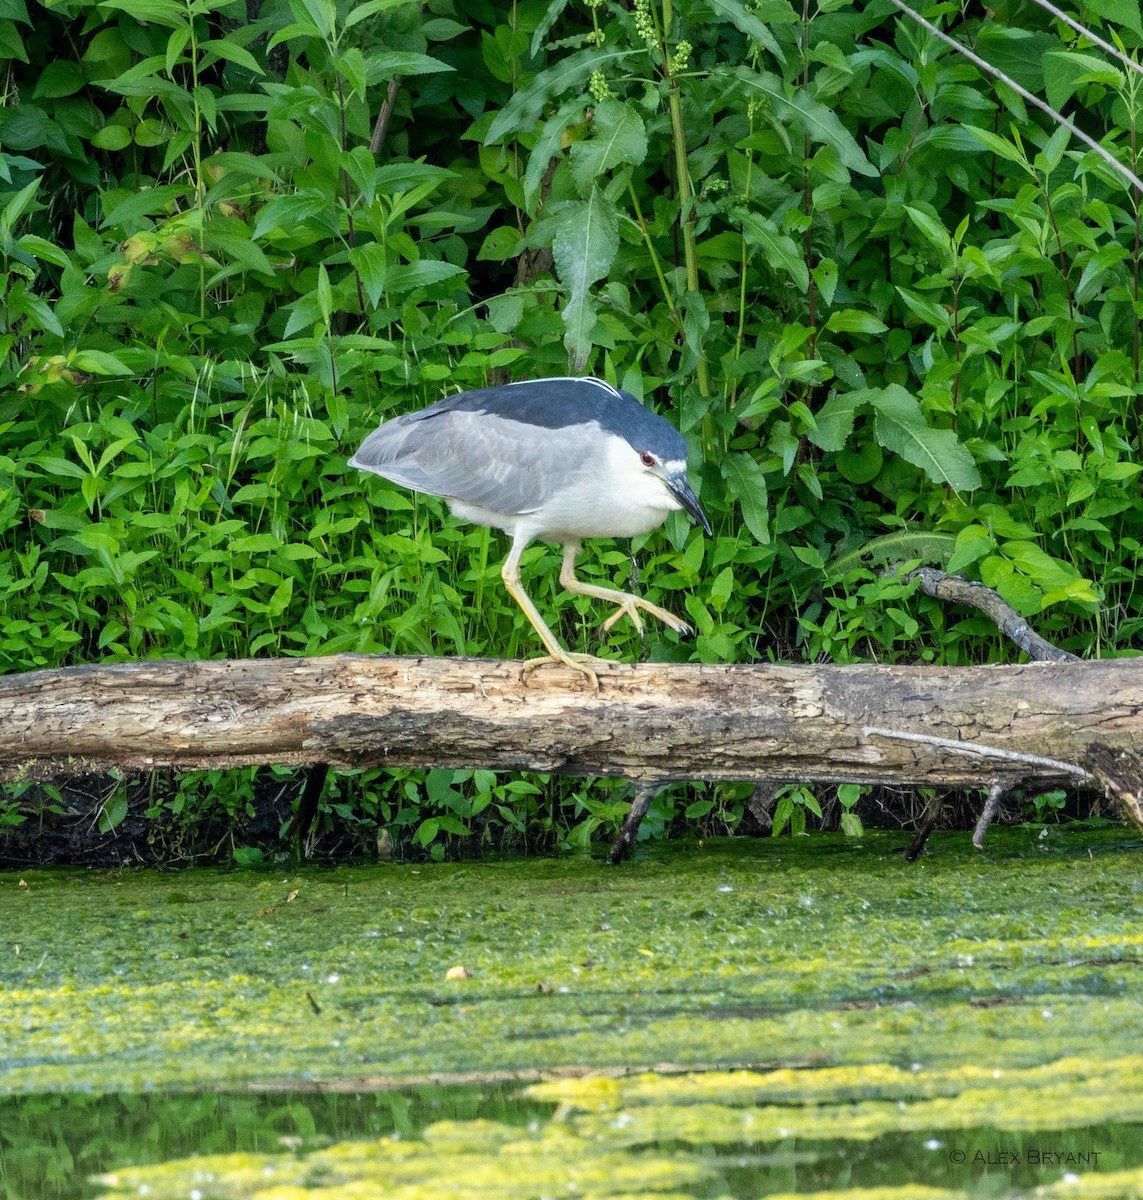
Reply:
x=507, y=1141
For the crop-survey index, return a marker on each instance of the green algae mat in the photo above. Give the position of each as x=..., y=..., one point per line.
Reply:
x=810, y=1016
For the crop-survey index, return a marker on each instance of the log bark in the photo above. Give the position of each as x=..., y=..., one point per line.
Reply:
x=965, y=726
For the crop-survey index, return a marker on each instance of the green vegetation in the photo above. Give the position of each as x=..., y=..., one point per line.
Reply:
x=895, y=310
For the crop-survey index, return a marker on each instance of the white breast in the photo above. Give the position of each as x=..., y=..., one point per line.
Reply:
x=614, y=496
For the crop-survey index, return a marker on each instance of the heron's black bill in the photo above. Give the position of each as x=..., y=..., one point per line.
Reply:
x=680, y=488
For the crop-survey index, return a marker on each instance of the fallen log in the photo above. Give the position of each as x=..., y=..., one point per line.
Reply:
x=984, y=726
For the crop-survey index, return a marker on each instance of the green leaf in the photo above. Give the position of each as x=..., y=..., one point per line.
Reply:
x=501, y=51
x=810, y=555
x=1039, y=566
x=384, y=64
x=443, y=29
x=551, y=16
x=1067, y=70
x=894, y=548
x=1052, y=153
x=147, y=203
x=747, y=484
x=779, y=250
x=935, y=233
x=12, y=46
x=59, y=78
x=401, y=178
x=113, y=812
x=834, y=421
x=284, y=213
x=16, y=207
x=523, y=110
x=900, y=427
x=851, y=825
x=35, y=306
x=255, y=543
x=547, y=145
x=99, y=362
x=404, y=277
x=296, y=29
x=505, y=313
x=43, y=249
x=972, y=543
x=852, y=320
x=324, y=295
x=1000, y=146
x=176, y=44
x=371, y=9
x=152, y=12
x=584, y=247
x=927, y=310
x=237, y=249
x=371, y=263
x=53, y=465
x=1017, y=52
x=351, y=65
x=112, y=137
x=746, y=22
x=1121, y=12
x=860, y=464
x=222, y=48
x=500, y=243
x=819, y=123
x=617, y=136
x=322, y=13
x=427, y=831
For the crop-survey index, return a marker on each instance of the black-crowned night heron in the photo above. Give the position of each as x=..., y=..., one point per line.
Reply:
x=555, y=459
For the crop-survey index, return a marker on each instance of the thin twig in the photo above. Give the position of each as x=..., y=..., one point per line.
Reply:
x=641, y=801
x=987, y=813
x=385, y=115
x=977, y=750
x=928, y=823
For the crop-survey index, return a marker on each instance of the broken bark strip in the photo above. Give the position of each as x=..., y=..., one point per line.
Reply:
x=932, y=726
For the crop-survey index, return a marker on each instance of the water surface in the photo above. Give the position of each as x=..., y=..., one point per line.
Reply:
x=825, y=1017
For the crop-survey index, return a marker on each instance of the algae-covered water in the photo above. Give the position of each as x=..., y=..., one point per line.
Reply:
x=803, y=1016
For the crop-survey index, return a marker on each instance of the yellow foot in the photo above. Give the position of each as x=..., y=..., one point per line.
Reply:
x=577, y=662
x=631, y=605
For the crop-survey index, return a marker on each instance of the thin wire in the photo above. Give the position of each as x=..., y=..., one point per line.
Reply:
x=996, y=73
x=1094, y=38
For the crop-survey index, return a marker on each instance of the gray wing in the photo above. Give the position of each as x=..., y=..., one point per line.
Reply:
x=502, y=465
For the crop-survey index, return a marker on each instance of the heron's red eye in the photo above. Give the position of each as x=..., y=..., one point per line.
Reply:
x=647, y=459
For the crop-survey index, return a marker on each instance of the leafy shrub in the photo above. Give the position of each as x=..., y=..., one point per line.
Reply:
x=895, y=311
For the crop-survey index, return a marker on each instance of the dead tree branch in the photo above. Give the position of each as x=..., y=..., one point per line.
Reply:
x=1026, y=724
x=1007, y=619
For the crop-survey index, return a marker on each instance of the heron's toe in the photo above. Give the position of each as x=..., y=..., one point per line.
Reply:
x=630, y=610
x=577, y=662
x=669, y=619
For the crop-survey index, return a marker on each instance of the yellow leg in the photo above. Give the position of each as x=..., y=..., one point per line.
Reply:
x=626, y=601
x=510, y=573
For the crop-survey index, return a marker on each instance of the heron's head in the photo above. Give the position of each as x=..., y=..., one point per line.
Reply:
x=660, y=456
